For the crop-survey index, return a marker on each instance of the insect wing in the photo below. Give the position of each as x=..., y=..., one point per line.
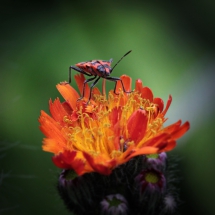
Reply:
x=87, y=67
x=96, y=67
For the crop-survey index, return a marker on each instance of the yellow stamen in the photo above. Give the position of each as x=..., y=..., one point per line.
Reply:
x=96, y=136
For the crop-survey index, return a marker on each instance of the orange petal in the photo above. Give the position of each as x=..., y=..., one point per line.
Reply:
x=69, y=94
x=80, y=82
x=49, y=126
x=57, y=111
x=145, y=150
x=137, y=124
x=56, y=137
x=53, y=145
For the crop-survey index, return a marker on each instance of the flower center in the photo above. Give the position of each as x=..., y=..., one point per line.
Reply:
x=97, y=126
x=114, y=202
x=70, y=175
x=151, y=177
x=154, y=156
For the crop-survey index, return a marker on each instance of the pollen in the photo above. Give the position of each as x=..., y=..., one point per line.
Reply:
x=93, y=136
x=155, y=126
x=115, y=154
x=66, y=120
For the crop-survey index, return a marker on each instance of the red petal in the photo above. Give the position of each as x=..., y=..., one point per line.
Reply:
x=160, y=103
x=104, y=169
x=163, y=142
x=61, y=160
x=146, y=93
x=67, y=107
x=171, y=128
x=115, y=115
x=137, y=124
x=96, y=91
x=79, y=78
x=68, y=160
x=155, y=141
x=166, y=146
x=179, y=132
x=167, y=105
x=80, y=82
x=138, y=85
x=126, y=80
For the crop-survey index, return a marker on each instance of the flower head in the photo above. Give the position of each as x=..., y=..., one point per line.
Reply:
x=107, y=132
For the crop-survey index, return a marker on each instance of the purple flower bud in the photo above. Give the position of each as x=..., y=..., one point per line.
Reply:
x=68, y=178
x=114, y=204
x=156, y=161
x=151, y=181
x=169, y=204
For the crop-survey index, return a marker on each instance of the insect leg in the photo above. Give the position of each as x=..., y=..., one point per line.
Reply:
x=91, y=87
x=86, y=81
x=115, y=79
x=78, y=70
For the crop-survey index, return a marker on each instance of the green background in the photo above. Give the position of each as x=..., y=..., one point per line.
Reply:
x=173, y=53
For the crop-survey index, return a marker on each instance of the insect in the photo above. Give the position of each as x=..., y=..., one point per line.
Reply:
x=98, y=69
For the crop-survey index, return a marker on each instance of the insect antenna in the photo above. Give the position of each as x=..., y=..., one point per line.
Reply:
x=121, y=59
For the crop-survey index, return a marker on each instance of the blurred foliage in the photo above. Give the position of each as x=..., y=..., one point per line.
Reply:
x=173, y=53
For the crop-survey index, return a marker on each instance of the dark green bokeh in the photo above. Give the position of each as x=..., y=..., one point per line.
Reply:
x=173, y=53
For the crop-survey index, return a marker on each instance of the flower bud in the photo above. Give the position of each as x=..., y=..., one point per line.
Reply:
x=114, y=204
x=78, y=192
x=156, y=161
x=170, y=204
x=151, y=181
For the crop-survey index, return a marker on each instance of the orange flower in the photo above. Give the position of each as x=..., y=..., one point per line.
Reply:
x=107, y=132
